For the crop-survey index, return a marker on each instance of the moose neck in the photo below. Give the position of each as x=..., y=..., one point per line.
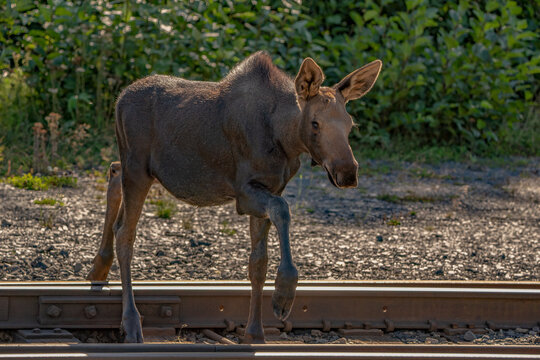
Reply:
x=287, y=129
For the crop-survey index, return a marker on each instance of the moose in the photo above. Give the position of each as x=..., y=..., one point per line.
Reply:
x=239, y=139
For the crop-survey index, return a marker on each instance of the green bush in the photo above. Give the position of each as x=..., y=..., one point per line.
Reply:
x=61, y=181
x=458, y=73
x=28, y=182
x=31, y=182
x=455, y=73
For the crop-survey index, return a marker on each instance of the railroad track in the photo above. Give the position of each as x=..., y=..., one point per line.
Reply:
x=48, y=311
x=203, y=351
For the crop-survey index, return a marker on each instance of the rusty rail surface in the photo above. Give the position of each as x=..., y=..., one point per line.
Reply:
x=271, y=351
x=348, y=305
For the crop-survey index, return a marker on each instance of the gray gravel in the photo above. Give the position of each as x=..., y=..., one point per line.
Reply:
x=315, y=336
x=452, y=221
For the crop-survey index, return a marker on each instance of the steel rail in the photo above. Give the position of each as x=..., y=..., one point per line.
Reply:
x=346, y=305
x=270, y=351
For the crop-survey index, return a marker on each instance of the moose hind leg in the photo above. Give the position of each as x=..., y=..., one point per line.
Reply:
x=135, y=186
x=258, y=264
x=104, y=258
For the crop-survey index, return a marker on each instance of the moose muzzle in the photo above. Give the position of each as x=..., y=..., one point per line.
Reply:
x=343, y=174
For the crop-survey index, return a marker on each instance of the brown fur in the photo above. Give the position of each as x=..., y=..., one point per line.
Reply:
x=235, y=140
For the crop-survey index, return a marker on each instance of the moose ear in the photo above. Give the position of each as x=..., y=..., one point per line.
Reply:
x=309, y=79
x=359, y=82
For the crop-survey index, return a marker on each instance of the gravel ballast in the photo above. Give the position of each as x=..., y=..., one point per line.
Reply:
x=452, y=221
x=315, y=336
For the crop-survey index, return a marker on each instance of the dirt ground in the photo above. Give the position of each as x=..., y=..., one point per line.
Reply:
x=452, y=221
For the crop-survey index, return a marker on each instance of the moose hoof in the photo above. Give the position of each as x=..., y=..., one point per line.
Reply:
x=97, y=274
x=100, y=269
x=283, y=297
x=132, y=330
x=282, y=305
x=253, y=339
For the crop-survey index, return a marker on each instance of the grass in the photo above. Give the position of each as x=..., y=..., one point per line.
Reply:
x=49, y=201
x=31, y=182
x=187, y=223
x=47, y=219
x=389, y=198
x=100, y=187
x=423, y=173
x=395, y=199
x=494, y=155
x=365, y=169
x=165, y=209
x=421, y=198
x=225, y=229
x=398, y=151
x=393, y=222
x=61, y=181
x=100, y=177
x=187, y=220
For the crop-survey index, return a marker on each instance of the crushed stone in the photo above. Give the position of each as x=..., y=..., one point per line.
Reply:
x=405, y=221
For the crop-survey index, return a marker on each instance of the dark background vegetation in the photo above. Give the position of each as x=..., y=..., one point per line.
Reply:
x=460, y=78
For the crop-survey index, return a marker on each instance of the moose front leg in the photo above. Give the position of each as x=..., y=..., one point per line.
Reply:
x=265, y=208
x=287, y=275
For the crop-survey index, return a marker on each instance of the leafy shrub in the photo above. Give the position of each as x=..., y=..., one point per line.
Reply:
x=61, y=181
x=28, y=182
x=455, y=73
x=77, y=57
x=1, y=151
x=459, y=72
x=31, y=182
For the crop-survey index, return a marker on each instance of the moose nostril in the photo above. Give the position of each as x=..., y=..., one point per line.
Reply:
x=347, y=179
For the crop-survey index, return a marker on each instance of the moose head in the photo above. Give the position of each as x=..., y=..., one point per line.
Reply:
x=326, y=124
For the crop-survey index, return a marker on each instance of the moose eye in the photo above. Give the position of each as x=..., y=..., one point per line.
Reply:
x=315, y=125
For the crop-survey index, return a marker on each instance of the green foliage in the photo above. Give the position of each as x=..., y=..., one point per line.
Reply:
x=455, y=73
x=31, y=182
x=47, y=218
x=462, y=73
x=389, y=198
x=61, y=181
x=411, y=197
x=49, y=201
x=165, y=209
x=226, y=229
x=28, y=182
